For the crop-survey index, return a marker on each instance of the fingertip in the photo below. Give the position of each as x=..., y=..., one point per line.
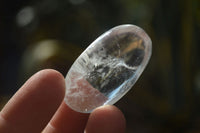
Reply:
x=48, y=84
x=47, y=80
x=106, y=119
x=53, y=78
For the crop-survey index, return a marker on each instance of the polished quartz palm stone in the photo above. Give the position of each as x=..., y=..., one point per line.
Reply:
x=108, y=68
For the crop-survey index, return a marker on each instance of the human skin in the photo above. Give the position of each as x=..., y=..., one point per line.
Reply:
x=38, y=106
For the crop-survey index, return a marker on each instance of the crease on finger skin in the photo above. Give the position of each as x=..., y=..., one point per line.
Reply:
x=3, y=123
x=49, y=128
x=2, y=118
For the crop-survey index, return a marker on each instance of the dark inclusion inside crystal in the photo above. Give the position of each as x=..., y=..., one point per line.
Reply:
x=136, y=57
x=113, y=79
x=127, y=47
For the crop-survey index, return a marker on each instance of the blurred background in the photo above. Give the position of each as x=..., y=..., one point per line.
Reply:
x=39, y=34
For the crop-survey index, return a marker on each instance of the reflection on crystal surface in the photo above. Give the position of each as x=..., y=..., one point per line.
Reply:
x=108, y=68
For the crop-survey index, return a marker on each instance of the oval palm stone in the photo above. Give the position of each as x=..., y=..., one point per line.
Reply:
x=108, y=68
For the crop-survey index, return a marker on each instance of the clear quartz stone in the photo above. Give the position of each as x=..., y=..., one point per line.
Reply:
x=108, y=68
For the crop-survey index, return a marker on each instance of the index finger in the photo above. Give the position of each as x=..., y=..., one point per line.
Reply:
x=31, y=108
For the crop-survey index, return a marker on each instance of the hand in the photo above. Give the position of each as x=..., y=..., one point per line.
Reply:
x=38, y=107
